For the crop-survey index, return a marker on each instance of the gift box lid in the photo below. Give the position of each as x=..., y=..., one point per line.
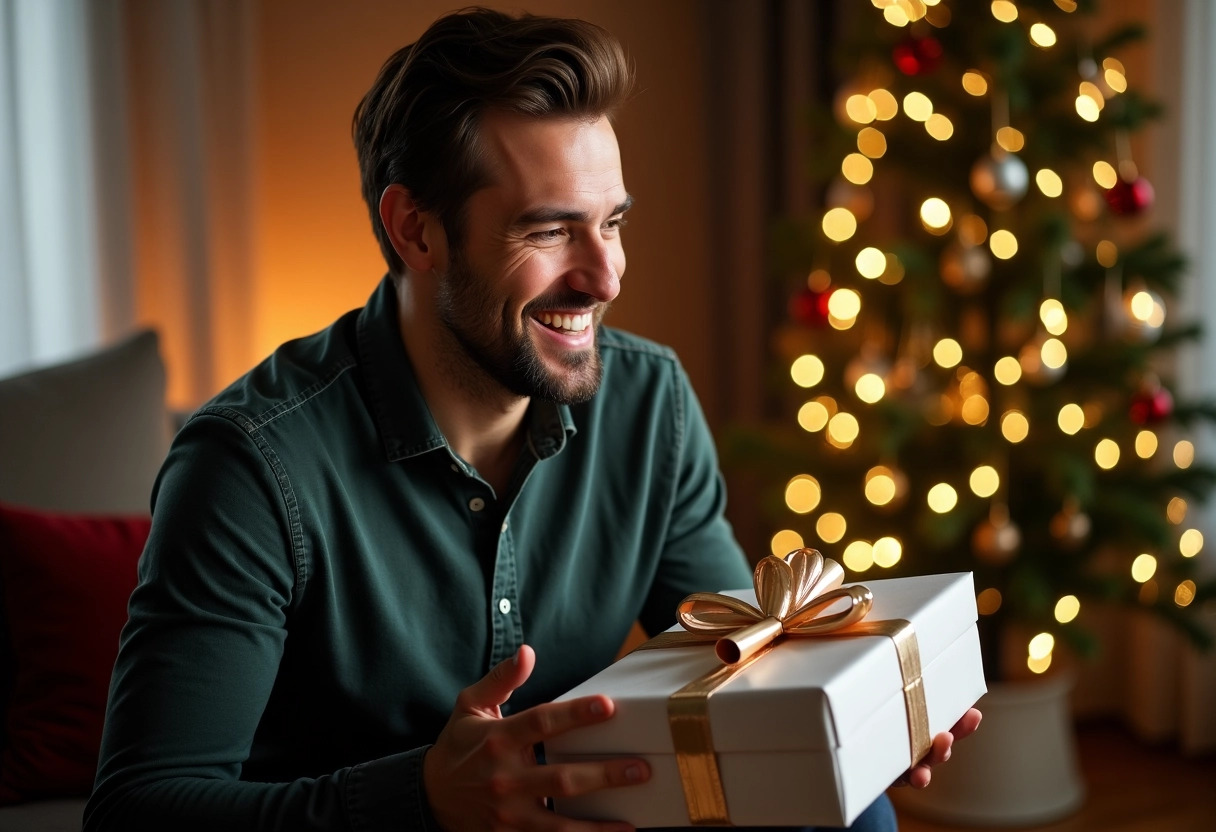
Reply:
x=807, y=693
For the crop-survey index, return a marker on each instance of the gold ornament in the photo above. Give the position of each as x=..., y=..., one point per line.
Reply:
x=1000, y=179
x=965, y=268
x=1070, y=525
x=996, y=540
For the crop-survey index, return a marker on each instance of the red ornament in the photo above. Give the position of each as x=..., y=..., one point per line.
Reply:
x=1130, y=198
x=809, y=307
x=917, y=56
x=1150, y=407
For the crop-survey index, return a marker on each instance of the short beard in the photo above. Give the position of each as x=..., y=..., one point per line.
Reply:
x=508, y=356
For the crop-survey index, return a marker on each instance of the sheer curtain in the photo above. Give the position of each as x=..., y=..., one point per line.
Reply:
x=49, y=292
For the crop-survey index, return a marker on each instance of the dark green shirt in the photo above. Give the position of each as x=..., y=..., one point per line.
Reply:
x=324, y=575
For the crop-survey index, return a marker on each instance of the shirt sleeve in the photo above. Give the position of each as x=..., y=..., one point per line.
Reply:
x=200, y=653
x=700, y=553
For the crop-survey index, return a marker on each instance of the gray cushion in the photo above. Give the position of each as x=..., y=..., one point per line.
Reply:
x=87, y=435
x=43, y=816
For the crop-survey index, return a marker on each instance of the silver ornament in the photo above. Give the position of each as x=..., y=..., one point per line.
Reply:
x=1000, y=180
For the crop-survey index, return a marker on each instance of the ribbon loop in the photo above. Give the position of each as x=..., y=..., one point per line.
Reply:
x=793, y=593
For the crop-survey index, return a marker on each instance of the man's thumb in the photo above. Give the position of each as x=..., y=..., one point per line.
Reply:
x=496, y=687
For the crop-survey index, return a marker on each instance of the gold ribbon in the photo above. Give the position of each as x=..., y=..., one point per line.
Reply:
x=792, y=593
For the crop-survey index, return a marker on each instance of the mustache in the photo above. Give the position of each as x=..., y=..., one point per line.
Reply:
x=565, y=300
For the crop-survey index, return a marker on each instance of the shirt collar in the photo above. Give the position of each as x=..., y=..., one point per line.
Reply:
x=402, y=417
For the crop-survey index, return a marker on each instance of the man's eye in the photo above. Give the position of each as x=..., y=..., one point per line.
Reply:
x=618, y=223
x=548, y=234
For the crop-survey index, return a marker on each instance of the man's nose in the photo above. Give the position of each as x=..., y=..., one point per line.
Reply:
x=597, y=270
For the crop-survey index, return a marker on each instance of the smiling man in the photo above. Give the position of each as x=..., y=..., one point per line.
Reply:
x=378, y=557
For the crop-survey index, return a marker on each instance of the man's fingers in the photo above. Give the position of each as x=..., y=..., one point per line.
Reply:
x=570, y=779
x=966, y=725
x=496, y=687
x=546, y=721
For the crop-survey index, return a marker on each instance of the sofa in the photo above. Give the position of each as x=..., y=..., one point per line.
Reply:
x=80, y=445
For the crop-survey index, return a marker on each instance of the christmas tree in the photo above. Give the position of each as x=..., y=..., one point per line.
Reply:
x=976, y=356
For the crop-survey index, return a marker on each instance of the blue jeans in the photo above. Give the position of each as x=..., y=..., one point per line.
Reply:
x=878, y=817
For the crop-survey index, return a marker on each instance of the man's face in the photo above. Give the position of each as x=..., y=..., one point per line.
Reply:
x=541, y=257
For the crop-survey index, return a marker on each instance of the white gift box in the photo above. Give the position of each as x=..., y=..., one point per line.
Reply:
x=810, y=734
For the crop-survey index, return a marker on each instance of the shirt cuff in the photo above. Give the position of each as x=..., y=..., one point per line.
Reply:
x=388, y=795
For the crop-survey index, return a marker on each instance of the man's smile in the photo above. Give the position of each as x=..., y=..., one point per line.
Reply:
x=576, y=322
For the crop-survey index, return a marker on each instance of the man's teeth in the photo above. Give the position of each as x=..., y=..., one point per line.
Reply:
x=574, y=323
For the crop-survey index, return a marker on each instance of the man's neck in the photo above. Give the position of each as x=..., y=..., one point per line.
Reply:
x=482, y=421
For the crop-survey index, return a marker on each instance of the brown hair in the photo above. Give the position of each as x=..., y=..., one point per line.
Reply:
x=417, y=125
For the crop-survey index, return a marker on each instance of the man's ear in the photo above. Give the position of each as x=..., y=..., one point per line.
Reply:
x=417, y=236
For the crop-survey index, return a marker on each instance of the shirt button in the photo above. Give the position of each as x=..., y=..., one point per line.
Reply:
x=455, y=467
x=476, y=504
x=504, y=606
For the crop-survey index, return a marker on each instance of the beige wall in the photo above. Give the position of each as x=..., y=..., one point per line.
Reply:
x=315, y=256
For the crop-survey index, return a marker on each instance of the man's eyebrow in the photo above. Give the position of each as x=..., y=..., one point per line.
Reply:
x=543, y=215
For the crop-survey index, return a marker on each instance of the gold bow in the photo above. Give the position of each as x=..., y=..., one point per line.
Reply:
x=792, y=593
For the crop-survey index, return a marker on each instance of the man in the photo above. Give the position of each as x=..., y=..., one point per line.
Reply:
x=353, y=534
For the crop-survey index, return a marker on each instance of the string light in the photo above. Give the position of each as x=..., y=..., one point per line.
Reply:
x=939, y=127
x=870, y=262
x=1054, y=353
x=1176, y=510
x=1053, y=316
x=1067, y=609
x=857, y=168
x=830, y=527
x=807, y=370
x=975, y=410
x=1143, y=568
x=974, y=82
x=1146, y=444
x=1106, y=454
x=839, y=224
x=802, y=494
x=1184, y=593
x=972, y=230
x=917, y=106
x=860, y=108
x=1105, y=174
x=1007, y=370
x=842, y=429
x=887, y=552
x=1042, y=35
x=935, y=215
x=1114, y=75
x=1071, y=418
x=947, y=353
x=858, y=556
x=1004, y=11
x=1010, y=138
x=871, y=142
x=985, y=481
x=942, y=497
x=885, y=105
x=1015, y=427
x=988, y=601
x=1184, y=454
x=1107, y=253
x=784, y=542
x=1049, y=182
x=1003, y=244
x=844, y=305
x=880, y=486
x=813, y=417
x=1191, y=543
x=870, y=388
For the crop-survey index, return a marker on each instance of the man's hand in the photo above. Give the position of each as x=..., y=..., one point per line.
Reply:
x=918, y=776
x=481, y=773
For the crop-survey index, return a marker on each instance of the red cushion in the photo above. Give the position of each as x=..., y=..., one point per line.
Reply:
x=66, y=580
